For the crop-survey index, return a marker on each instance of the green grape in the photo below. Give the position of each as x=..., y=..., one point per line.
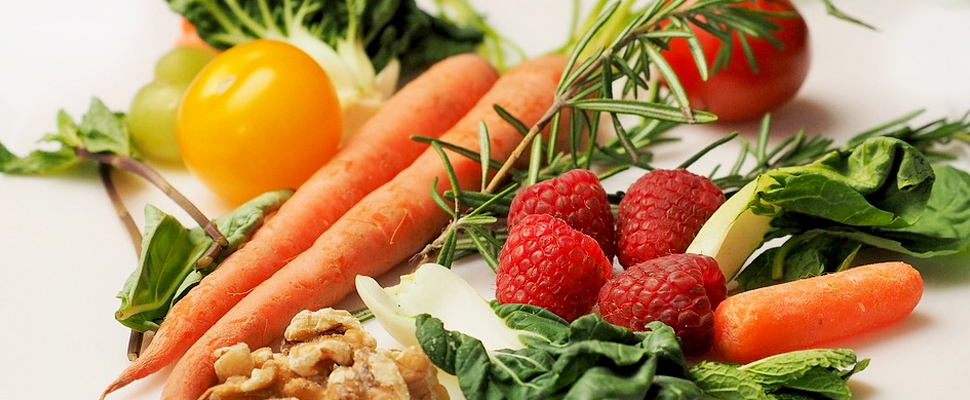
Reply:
x=182, y=64
x=151, y=120
x=151, y=117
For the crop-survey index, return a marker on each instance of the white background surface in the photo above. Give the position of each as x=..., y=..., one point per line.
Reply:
x=64, y=255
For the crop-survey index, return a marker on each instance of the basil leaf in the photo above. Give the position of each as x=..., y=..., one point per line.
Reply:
x=170, y=251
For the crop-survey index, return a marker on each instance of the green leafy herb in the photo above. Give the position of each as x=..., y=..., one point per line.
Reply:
x=588, y=359
x=100, y=131
x=804, y=374
x=881, y=184
x=166, y=267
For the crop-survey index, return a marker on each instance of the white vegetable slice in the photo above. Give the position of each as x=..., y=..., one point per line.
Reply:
x=435, y=290
x=733, y=232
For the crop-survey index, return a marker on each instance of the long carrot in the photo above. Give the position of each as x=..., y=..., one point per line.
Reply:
x=384, y=229
x=428, y=106
x=810, y=312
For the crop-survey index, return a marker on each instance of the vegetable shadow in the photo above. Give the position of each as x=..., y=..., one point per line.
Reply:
x=882, y=336
x=800, y=113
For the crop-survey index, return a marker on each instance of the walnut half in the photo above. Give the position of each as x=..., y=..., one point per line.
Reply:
x=325, y=354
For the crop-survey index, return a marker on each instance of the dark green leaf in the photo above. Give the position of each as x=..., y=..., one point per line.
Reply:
x=388, y=29
x=588, y=359
x=882, y=182
x=100, y=131
x=810, y=254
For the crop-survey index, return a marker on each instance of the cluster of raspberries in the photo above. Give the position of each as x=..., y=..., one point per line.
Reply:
x=563, y=238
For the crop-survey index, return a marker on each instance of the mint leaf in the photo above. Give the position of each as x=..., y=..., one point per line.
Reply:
x=805, y=374
x=726, y=381
x=825, y=382
x=779, y=369
x=36, y=162
x=100, y=131
x=104, y=131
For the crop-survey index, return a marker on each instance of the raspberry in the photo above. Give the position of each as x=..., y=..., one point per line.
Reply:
x=680, y=290
x=576, y=197
x=547, y=263
x=661, y=214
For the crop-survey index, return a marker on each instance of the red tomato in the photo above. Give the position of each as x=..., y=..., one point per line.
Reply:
x=736, y=92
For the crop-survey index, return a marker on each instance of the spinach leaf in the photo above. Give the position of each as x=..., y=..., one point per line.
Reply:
x=881, y=182
x=588, y=359
x=166, y=266
x=810, y=254
x=874, y=193
x=943, y=228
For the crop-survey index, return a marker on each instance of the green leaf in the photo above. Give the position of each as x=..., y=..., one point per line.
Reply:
x=779, y=369
x=386, y=29
x=588, y=359
x=808, y=374
x=104, y=131
x=726, y=381
x=36, y=162
x=810, y=254
x=825, y=382
x=881, y=182
x=943, y=227
x=166, y=266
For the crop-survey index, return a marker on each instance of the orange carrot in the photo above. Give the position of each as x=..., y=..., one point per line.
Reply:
x=810, y=312
x=190, y=36
x=428, y=106
x=384, y=229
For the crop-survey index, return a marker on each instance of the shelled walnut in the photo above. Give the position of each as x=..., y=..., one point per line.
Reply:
x=325, y=354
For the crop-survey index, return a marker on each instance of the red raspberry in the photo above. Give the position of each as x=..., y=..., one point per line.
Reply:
x=576, y=197
x=548, y=264
x=680, y=290
x=661, y=214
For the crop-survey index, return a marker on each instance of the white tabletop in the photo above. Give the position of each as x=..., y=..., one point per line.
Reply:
x=64, y=255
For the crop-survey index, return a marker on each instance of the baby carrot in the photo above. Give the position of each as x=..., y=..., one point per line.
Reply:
x=809, y=312
x=384, y=229
x=428, y=106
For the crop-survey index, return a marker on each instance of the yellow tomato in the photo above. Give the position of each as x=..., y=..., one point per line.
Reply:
x=261, y=116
